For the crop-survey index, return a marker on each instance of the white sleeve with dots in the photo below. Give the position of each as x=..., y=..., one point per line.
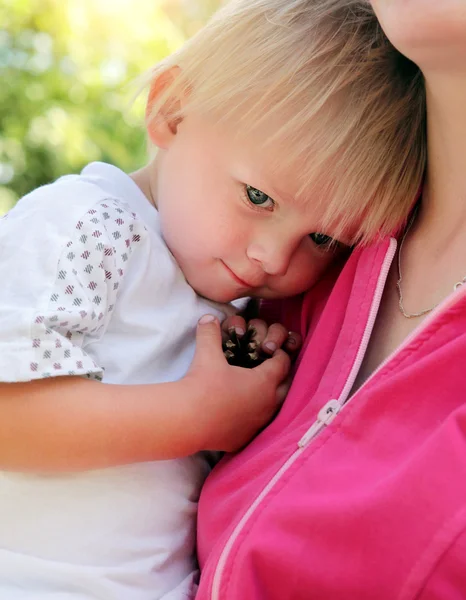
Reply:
x=62, y=290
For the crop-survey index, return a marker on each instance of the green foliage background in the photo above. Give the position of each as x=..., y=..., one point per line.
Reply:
x=66, y=69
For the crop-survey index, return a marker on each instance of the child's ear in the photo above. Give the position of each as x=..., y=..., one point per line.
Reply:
x=162, y=126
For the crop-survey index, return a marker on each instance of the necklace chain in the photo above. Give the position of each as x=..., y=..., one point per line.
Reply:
x=398, y=283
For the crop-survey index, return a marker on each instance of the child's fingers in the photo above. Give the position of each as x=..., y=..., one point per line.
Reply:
x=276, y=368
x=260, y=328
x=235, y=322
x=293, y=342
x=276, y=336
x=283, y=389
x=208, y=339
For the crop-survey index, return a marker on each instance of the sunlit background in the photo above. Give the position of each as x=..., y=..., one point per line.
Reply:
x=67, y=72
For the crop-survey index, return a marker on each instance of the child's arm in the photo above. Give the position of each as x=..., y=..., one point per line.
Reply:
x=71, y=423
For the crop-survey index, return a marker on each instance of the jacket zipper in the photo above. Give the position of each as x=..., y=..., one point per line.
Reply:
x=449, y=301
x=324, y=417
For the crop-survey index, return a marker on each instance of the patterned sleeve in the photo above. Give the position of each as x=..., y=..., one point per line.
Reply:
x=48, y=337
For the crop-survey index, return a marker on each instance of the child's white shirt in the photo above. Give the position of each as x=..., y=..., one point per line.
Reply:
x=89, y=288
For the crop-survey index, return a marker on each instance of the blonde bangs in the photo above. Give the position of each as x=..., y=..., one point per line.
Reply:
x=332, y=94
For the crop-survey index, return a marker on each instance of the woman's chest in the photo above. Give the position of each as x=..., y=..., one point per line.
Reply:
x=351, y=512
x=350, y=509
x=390, y=330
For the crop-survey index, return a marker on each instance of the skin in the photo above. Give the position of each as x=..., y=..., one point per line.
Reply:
x=227, y=246
x=218, y=235
x=231, y=242
x=432, y=34
x=429, y=32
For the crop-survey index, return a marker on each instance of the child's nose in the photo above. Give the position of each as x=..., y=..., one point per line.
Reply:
x=274, y=258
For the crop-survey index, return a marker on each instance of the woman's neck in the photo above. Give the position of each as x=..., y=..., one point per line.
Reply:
x=444, y=206
x=433, y=252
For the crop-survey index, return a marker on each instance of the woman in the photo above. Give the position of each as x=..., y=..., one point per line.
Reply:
x=358, y=488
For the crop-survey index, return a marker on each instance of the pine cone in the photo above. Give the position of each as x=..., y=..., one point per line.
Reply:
x=244, y=351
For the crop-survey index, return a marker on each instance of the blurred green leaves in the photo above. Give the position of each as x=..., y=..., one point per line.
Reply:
x=65, y=66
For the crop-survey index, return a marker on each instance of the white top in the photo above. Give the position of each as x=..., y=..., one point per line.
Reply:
x=89, y=288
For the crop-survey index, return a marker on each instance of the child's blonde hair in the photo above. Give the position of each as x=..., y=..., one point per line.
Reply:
x=346, y=106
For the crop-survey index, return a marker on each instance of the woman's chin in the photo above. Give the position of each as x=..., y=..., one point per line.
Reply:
x=429, y=32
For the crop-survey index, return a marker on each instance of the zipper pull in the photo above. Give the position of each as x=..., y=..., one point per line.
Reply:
x=324, y=417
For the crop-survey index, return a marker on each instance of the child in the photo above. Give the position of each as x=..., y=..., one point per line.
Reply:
x=269, y=153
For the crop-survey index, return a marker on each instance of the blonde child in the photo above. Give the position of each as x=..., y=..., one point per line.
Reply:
x=273, y=139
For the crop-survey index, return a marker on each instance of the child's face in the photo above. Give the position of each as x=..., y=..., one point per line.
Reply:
x=432, y=33
x=231, y=240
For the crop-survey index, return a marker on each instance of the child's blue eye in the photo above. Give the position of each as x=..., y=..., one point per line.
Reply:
x=256, y=196
x=320, y=239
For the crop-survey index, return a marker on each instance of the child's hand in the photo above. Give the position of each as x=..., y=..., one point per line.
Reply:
x=269, y=338
x=233, y=403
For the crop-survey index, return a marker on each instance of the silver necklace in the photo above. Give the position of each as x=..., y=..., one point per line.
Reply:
x=398, y=283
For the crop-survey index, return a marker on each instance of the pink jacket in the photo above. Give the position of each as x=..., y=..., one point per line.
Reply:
x=361, y=498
